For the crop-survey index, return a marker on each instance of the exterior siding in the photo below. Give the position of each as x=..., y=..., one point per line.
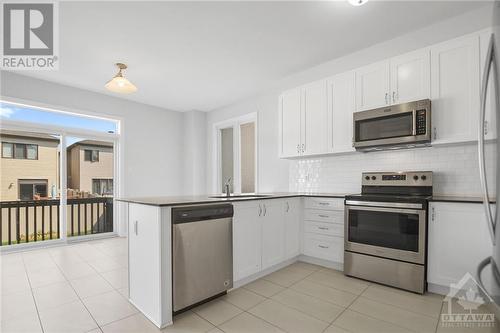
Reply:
x=46, y=167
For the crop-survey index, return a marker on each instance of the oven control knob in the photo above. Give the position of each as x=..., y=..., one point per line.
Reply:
x=373, y=177
x=367, y=177
x=423, y=177
x=415, y=177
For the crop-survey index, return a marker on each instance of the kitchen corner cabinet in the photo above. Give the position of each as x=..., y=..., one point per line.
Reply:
x=455, y=89
x=397, y=80
x=340, y=109
x=290, y=123
x=273, y=233
x=247, y=239
x=458, y=239
x=292, y=211
x=303, y=120
x=265, y=233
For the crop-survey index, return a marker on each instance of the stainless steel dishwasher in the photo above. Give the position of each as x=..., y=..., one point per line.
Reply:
x=202, y=250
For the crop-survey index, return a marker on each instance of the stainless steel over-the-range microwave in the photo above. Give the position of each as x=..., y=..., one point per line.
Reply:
x=401, y=125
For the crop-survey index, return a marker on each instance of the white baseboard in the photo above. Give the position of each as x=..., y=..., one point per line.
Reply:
x=322, y=262
x=256, y=276
x=311, y=260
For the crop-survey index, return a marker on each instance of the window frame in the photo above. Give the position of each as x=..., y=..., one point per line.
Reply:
x=101, y=181
x=12, y=149
x=92, y=151
x=235, y=123
x=25, y=149
x=32, y=182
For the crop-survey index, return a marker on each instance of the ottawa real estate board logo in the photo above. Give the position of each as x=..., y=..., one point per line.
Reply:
x=30, y=34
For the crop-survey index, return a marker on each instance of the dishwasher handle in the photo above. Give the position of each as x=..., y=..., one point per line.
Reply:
x=201, y=213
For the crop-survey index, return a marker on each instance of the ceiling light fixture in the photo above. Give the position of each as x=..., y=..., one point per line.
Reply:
x=119, y=84
x=357, y=2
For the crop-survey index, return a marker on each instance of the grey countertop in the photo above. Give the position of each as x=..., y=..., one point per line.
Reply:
x=204, y=199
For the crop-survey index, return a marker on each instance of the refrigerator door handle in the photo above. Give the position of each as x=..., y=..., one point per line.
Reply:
x=490, y=62
x=482, y=265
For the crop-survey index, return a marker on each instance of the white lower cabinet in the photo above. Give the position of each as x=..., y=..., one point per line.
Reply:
x=273, y=233
x=150, y=274
x=293, y=216
x=324, y=228
x=247, y=239
x=324, y=247
x=458, y=240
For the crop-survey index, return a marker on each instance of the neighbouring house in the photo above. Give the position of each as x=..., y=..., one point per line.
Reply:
x=90, y=167
x=29, y=165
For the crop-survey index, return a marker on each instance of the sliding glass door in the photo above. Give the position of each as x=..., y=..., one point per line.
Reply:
x=57, y=174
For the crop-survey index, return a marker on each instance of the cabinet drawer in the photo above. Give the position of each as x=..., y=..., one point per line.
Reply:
x=325, y=203
x=324, y=247
x=324, y=228
x=327, y=216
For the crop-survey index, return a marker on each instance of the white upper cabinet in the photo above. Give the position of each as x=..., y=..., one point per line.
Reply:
x=303, y=120
x=315, y=125
x=401, y=79
x=410, y=77
x=489, y=127
x=373, y=86
x=455, y=89
x=290, y=123
x=317, y=118
x=340, y=109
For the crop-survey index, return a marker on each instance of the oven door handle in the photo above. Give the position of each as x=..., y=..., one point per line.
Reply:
x=386, y=209
x=390, y=205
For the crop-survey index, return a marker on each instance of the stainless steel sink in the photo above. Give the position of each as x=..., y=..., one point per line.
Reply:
x=238, y=196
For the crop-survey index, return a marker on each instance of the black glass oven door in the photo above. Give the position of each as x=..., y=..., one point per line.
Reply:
x=391, y=232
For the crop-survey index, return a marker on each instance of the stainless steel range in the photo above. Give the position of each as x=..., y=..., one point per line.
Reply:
x=386, y=229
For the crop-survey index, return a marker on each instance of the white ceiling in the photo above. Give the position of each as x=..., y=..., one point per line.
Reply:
x=204, y=55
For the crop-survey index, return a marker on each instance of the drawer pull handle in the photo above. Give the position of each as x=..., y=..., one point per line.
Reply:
x=323, y=247
x=324, y=216
x=323, y=228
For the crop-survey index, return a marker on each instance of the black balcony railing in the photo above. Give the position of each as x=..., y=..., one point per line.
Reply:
x=39, y=220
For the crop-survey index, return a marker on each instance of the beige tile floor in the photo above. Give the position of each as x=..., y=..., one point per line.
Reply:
x=83, y=288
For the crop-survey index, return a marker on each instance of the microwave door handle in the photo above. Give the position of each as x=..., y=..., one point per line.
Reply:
x=490, y=61
x=414, y=116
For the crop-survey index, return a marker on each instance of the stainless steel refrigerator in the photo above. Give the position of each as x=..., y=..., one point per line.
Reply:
x=489, y=268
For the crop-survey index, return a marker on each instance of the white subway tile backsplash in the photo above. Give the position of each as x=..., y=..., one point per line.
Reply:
x=456, y=169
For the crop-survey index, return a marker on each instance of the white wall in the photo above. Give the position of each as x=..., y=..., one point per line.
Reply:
x=277, y=175
x=194, y=153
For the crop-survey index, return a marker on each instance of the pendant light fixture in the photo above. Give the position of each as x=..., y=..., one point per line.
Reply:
x=357, y=2
x=120, y=84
